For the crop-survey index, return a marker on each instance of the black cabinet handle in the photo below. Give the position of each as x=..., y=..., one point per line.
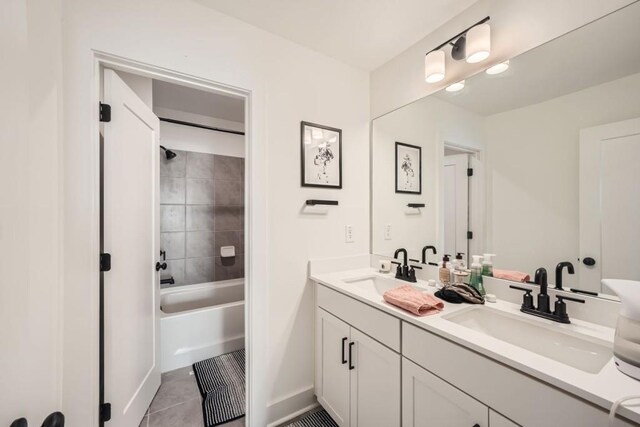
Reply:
x=344, y=359
x=162, y=266
x=351, y=367
x=589, y=261
x=476, y=425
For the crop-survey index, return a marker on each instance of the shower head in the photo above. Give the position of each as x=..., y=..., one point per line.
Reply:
x=170, y=154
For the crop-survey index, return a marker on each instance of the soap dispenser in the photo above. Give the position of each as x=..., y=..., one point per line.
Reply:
x=487, y=264
x=476, y=275
x=444, y=273
x=459, y=263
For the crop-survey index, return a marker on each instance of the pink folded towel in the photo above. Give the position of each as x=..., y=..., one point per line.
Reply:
x=514, y=276
x=416, y=302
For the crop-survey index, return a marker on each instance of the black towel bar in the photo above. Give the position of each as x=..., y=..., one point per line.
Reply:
x=313, y=202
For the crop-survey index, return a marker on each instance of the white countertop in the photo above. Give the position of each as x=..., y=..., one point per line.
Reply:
x=602, y=389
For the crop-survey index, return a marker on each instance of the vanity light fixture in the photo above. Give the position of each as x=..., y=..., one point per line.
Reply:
x=498, y=68
x=478, y=43
x=473, y=44
x=434, y=66
x=455, y=86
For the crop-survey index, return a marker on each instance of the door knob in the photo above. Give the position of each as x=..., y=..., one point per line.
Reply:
x=589, y=261
x=161, y=266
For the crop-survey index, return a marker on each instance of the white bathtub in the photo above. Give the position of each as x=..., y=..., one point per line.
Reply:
x=200, y=321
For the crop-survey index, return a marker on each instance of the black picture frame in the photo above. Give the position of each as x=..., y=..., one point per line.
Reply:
x=402, y=189
x=306, y=147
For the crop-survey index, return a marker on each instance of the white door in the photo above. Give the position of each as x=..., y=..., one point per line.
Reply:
x=131, y=236
x=334, y=339
x=428, y=401
x=456, y=204
x=375, y=383
x=609, y=202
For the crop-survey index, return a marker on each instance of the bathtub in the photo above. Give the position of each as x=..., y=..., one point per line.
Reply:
x=200, y=321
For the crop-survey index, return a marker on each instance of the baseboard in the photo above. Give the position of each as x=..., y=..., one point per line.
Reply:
x=285, y=408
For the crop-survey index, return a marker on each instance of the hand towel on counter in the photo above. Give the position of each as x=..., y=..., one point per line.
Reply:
x=414, y=301
x=460, y=292
x=514, y=276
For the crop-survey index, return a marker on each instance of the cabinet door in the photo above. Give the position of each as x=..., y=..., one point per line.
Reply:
x=333, y=341
x=375, y=383
x=428, y=401
x=497, y=420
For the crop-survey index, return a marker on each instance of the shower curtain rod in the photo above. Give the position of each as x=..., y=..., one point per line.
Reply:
x=196, y=125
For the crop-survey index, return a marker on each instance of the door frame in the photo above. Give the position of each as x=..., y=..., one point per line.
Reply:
x=255, y=209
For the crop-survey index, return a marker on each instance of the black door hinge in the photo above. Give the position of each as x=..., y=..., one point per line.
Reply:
x=105, y=112
x=469, y=235
x=469, y=171
x=105, y=262
x=105, y=412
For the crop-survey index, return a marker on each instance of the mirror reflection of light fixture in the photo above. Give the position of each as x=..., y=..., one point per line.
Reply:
x=473, y=44
x=434, y=66
x=316, y=133
x=478, y=43
x=455, y=86
x=498, y=68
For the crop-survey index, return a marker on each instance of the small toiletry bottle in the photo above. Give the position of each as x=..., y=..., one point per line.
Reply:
x=444, y=273
x=476, y=275
x=487, y=265
x=459, y=263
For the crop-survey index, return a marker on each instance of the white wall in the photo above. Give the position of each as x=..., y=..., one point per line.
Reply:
x=532, y=174
x=428, y=123
x=516, y=26
x=30, y=232
x=288, y=84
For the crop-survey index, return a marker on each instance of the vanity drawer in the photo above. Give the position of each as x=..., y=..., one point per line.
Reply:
x=526, y=400
x=371, y=321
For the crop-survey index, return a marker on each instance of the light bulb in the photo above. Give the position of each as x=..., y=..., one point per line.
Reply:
x=434, y=66
x=455, y=86
x=498, y=68
x=478, y=43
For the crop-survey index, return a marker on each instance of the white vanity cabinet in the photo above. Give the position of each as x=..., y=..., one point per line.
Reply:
x=429, y=401
x=357, y=377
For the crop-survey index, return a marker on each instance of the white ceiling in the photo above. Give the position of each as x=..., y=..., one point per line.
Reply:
x=189, y=100
x=600, y=52
x=363, y=33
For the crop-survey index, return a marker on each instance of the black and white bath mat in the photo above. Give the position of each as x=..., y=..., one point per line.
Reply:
x=316, y=419
x=221, y=382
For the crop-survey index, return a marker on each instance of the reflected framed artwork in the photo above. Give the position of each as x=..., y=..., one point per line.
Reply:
x=321, y=156
x=408, y=168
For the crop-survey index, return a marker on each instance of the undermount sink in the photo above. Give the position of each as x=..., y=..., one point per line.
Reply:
x=375, y=284
x=573, y=349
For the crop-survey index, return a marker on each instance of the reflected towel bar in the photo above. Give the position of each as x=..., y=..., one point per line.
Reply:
x=416, y=205
x=314, y=202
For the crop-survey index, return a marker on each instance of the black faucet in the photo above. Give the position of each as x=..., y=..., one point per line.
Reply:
x=559, y=269
x=403, y=272
x=424, y=254
x=543, y=298
x=169, y=281
x=560, y=309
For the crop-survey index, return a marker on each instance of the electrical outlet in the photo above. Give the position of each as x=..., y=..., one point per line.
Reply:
x=387, y=232
x=348, y=233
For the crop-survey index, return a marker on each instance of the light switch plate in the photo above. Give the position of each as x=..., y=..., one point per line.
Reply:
x=387, y=232
x=348, y=233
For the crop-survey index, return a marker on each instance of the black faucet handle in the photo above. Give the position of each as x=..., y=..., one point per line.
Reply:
x=560, y=308
x=527, y=298
x=562, y=297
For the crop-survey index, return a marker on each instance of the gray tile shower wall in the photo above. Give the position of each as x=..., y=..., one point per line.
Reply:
x=201, y=209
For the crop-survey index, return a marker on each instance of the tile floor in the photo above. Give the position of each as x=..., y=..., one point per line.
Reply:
x=178, y=403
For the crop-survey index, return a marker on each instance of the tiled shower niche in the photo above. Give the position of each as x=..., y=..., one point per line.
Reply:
x=201, y=209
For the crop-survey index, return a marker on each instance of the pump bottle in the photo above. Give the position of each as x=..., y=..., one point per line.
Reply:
x=476, y=275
